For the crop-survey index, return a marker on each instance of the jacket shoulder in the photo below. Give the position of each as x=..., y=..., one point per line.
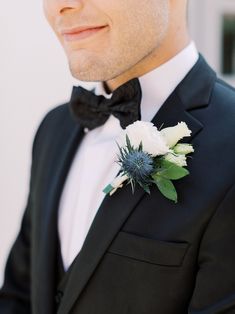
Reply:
x=224, y=92
x=225, y=85
x=53, y=123
x=54, y=116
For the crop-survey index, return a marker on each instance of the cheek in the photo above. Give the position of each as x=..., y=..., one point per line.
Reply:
x=46, y=6
x=127, y=29
x=49, y=12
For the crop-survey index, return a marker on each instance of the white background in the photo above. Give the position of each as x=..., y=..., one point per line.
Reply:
x=33, y=78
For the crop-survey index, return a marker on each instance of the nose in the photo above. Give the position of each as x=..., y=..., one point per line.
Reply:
x=57, y=7
x=65, y=5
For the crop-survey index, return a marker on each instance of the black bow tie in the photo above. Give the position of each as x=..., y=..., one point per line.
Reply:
x=92, y=111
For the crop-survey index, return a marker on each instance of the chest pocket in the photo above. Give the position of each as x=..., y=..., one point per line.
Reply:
x=149, y=250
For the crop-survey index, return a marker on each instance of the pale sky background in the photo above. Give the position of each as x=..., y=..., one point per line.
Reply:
x=34, y=78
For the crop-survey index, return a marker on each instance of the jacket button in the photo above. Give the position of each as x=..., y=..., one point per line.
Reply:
x=58, y=297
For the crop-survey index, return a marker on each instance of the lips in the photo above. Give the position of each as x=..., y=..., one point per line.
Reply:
x=82, y=32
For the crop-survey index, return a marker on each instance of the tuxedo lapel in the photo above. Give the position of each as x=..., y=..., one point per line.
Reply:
x=57, y=170
x=192, y=93
x=173, y=112
x=115, y=210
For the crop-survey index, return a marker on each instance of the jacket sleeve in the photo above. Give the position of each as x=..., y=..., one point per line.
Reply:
x=214, y=291
x=15, y=293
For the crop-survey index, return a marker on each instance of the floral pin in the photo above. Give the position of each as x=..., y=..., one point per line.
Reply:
x=148, y=156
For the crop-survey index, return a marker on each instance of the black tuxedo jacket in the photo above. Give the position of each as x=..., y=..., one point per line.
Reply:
x=143, y=254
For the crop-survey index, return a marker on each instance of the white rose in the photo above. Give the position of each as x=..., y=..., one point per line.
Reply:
x=145, y=132
x=173, y=134
x=183, y=149
x=179, y=160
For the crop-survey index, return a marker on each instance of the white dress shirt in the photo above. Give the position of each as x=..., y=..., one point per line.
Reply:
x=94, y=163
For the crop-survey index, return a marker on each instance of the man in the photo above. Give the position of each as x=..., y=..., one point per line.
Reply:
x=80, y=251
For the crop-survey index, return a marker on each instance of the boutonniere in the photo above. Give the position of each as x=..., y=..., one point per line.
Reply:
x=149, y=156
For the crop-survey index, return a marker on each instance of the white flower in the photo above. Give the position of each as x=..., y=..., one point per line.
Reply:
x=173, y=134
x=179, y=160
x=183, y=149
x=145, y=132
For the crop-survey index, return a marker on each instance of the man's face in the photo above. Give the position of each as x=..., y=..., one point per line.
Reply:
x=105, y=38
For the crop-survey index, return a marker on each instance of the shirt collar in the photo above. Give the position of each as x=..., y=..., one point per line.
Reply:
x=158, y=84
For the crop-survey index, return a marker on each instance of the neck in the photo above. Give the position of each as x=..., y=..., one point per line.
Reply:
x=170, y=47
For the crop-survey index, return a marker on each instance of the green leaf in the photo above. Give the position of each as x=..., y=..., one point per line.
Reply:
x=140, y=147
x=171, y=171
x=128, y=143
x=108, y=189
x=121, y=155
x=166, y=187
x=132, y=183
x=120, y=149
x=145, y=187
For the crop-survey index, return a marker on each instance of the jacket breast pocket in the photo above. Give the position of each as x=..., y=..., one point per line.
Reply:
x=149, y=250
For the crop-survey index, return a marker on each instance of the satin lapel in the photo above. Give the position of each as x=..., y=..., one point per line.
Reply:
x=62, y=152
x=192, y=94
x=173, y=112
x=113, y=213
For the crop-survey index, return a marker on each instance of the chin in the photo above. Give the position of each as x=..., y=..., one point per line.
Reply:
x=92, y=68
x=84, y=69
x=90, y=73
x=88, y=76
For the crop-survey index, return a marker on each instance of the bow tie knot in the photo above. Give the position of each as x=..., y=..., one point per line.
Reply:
x=92, y=111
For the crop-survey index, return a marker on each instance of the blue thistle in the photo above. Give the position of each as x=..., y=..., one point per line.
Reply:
x=138, y=165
